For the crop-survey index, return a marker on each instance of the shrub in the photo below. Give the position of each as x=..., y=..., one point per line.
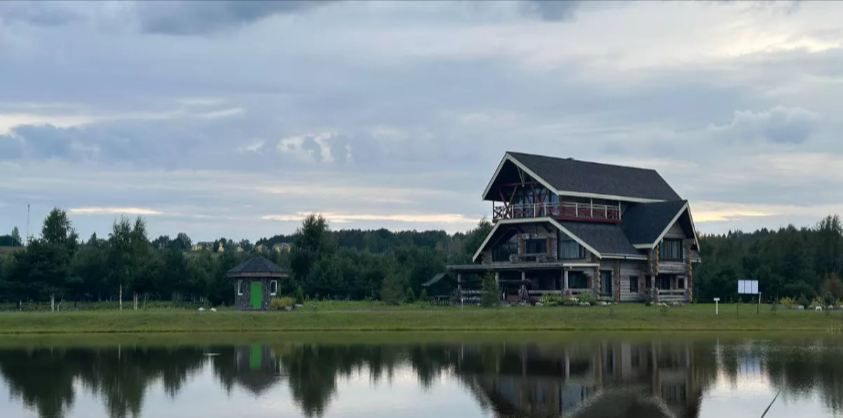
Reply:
x=410, y=297
x=787, y=302
x=828, y=299
x=491, y=293
x=649, y=297
x=568, y=301
x=299, y=295
x=423, y=296
x=278, y=304
x=587, y=297
x=552, y=300
x=817, y=301
x=803, y=301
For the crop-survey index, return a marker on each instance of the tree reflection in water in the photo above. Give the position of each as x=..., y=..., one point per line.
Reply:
x=576, y=379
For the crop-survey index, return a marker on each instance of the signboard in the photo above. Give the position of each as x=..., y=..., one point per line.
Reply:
x=748, y=287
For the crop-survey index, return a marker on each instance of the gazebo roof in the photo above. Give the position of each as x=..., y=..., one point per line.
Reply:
x=258, y=267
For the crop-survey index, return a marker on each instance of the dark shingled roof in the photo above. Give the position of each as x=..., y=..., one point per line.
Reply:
x=644, y=222
x=568, y=175
x=607, y=239
x=255, y=266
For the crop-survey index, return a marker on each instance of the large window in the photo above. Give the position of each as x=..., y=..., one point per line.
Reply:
x=505, y=249
x=671, y=249
x=571, y=250
x=577, y=280
x=606, y=282
x=273, y=287
x=633, y=284
x=536, y=246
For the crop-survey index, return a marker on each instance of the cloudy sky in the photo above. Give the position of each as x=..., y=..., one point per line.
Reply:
x=233, y=118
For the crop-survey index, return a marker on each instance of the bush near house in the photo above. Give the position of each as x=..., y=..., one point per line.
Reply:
x=280, y=304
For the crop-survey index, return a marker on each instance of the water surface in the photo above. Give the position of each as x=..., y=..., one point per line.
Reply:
x=567, y=375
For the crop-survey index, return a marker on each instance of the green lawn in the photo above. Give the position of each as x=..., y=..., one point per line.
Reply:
x=354, y=317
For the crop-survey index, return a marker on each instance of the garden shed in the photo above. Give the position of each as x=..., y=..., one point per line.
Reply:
x=256, y=283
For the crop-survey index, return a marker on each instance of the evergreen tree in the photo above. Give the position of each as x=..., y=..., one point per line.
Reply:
x=16, y=237
x=491, y=293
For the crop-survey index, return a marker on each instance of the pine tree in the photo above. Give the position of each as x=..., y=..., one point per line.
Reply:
x=491, y=292
x=391, y=289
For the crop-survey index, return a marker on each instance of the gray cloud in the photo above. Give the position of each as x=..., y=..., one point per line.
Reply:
x=551, y=10
x=196, y=18
x=779, y=125
x=38, y=13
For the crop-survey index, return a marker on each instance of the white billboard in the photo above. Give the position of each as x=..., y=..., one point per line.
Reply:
x=748, y=287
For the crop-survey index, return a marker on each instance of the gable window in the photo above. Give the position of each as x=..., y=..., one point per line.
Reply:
x=240, y=287
x=536, y=246
x=571, y=250
x=671, y=249
x=633, y=284
x=606, y=282
x=273, y=287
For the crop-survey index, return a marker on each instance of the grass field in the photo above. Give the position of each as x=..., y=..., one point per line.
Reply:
x=357, y=318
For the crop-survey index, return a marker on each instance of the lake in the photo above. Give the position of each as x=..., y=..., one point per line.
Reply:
x=423, y=376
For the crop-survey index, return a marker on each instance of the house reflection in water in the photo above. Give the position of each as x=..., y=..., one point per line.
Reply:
x=253, y=367
x=551, y=381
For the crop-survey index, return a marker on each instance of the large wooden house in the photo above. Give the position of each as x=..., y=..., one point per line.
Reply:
x=565, y=227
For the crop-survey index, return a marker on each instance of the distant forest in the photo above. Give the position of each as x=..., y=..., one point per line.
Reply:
x=357, y=264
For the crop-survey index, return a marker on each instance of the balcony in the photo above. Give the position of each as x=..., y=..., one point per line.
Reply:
x=561, y=210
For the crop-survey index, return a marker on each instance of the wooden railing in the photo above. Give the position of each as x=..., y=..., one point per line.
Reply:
x=673, y=294
x=569, y=210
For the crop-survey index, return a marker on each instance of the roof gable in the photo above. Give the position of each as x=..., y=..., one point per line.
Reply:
x=588, y=179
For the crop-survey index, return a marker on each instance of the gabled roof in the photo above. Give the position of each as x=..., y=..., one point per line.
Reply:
x=602, y=240
x=257, y=267
x=646, y=224
x=587, y=179
x=608, y=239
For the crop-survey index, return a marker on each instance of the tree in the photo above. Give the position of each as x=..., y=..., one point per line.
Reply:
x=312, y=241
x=391, y=289
x=491, y=293
x=423, y=296
x=16, y=237
x=410, y=296
x=299, y=296
x=182, y=242
x=834, y=286
x=128, y=248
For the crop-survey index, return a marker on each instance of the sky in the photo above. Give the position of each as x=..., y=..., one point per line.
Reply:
x=235, y=119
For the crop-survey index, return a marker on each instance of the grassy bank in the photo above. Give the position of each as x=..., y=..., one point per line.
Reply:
x=618, y=318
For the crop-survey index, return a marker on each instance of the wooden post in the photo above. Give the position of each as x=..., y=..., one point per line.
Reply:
x=523, y=284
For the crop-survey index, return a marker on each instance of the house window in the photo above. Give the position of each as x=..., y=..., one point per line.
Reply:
x=503, y=251
x=536, y=246
x=606, y=282
x=671, y=249
x=273, y=287
x=571, y=250
x=648, y=282
x=240, y=288
x=577, y=280
x=663, y=282
x=633, y=284
x=680, y=283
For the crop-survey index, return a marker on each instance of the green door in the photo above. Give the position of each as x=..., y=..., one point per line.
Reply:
x=257, y=295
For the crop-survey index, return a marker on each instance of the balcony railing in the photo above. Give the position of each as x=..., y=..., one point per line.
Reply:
x=561, y=210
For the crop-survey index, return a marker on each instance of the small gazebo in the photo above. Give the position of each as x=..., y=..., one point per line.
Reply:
x=256, y=283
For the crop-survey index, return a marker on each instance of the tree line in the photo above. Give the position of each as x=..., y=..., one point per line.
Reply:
x=354, y=264
x=129, y=266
